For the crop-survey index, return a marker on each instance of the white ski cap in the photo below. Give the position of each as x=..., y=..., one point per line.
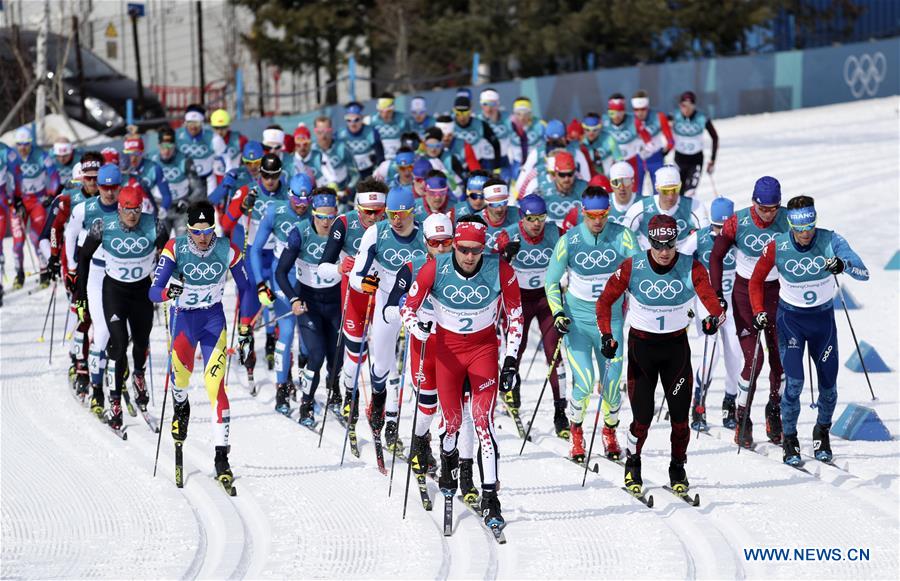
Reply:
x=370, y=199
x=621, y=170
x=667, y=176
x=77, y=174
x=489, y=96
x=438, y=226
x=62, y=148
x=23, y=135
x=273, y=137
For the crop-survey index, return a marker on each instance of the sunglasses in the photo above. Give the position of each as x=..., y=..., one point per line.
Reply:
x=618, y=182
x=596, y=214
x=131, y=211
x=201, y=231
x=399, y=213
x=252, y=162
x=536, y=218
x=299, y=200
x=271, y=177
x=407, y=166
x=87, y=178
x=167, y=146
x=470, y=250
x=767, y=209
x=565, y=174
x=434, y=146
x=324, y=215
x=475, y=196
x=370, y=212
x=612, y=112
x=501, y=204
x=662, y=245
x=441, y=192
x=669, y=190
x=439, y=242
x=463, y=111
x=353, y=119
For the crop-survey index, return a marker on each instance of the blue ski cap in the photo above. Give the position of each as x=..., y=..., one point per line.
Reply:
x=555, y=130
x=405, y=159
x=720, y=210
x=324, y=201
x=353, y=108
x=532, y=205
x=476, y=183
x=400, y=198
x=109, y=175
x=595, y=201
x=253, y=151
x=300, y=186
x=767, y=191
x=421, y=168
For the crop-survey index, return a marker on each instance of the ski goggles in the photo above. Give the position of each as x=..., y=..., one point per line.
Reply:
x=535, y=218
x=663, y=244
x=131, y=211
x=475, y=195
x=201, y=231
x=439, y=242
x=596, y=214
x=619, y=182
x=470, y=250
x=399, y=213
x=565, y=174
x=302, y=200
x=434, y=146
x=498, y=204
x=324, y=215
x=371, y=211
x=250, y=162
x=669, y=190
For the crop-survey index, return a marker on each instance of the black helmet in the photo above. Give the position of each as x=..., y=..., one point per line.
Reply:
x=411, y=140
x=271, y=164
x=166, y=135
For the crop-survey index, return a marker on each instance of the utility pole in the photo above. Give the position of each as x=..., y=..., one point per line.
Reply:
x=200, y=52
x=40, y=100
x=134, y=12
x=80, y=65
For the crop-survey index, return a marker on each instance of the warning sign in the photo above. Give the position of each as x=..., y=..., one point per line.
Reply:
x=111, y=31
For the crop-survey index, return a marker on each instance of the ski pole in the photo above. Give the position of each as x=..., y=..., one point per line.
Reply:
x=237, y=306
x=338, y=358
x=713, y=182
x=812, y=396
x=752, y=386
x=419, y=376
x=553, y=363
x=705, y=387
x=162, y=415
x=65, y=337
x=855, y=342
x=362, y=346
x=533, y=358
x=399, y=409
x=53, y=325
x=47, y=316
x=275, y=320
x=587, y=460
x=150, y=363
x=702, y=377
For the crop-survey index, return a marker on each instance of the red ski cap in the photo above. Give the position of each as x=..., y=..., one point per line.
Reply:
x=130, y=198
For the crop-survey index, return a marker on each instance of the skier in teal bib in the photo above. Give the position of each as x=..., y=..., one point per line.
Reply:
x=590, y=252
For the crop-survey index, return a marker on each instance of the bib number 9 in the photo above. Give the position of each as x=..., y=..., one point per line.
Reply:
x=810, y=297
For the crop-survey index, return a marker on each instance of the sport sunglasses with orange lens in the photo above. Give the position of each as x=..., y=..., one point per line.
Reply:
x=439, y=242
x=399, y=213
x=536, y=218
x=371, y=211
x=596, y=214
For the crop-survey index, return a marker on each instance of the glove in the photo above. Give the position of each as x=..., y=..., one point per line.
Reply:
x=298, y=307
x=391, y=315
x=711, y=166
x=510, y=251
x=346, y=264
x=174, y=290
x=760, y=320
x=248, y=203
x=245, y=337
x=71, y=281
x=561, y=322
x=53, y=266
x=834, y=265
x=509, y=374
x=710, y=325
x=81, y=309
x=608, y=346
x=228, y=182
x=370, y=284
x=421, y=331
x=265, y=294
x=722, y=302
x=47, y=201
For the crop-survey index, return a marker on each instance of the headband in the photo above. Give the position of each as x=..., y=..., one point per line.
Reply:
x=616, y=104
x=802, y=219
x=193, y=116
x=640, y=103
x=496, y=192
x=470, y=232
x=384, y=104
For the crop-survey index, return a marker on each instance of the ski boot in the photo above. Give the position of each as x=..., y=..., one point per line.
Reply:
x=1, y=294
x=391, y=439
x=291, y=388
x=822, y=443
x=181, y=415
x=490, y=509
x=560, y=421
x=449, y=479
x=773, y=422
x=466, y=485
x=270, y=351
x=610, y=442
x=418, y=454
x=44, y=278
x=140, y=390
x=430, y=460
x=19, y=281
x=375, y=413
x=633, y=481
x=347, y=407
x=747, y=440
x=281, y=399
x=334, y=401
x=678, y=477
x=223, y=470
x=307, y=411
x=114, y=415
x=728, y=414
x=791, y=448
x=82, y=379
x=698, y=419
x=577, y=438
x=97, y=401
x=73, y=370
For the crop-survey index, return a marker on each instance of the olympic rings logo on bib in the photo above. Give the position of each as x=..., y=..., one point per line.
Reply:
x=595, y=259
x=203, y=271
x=559, y=208
x=400, y=257
x=805, y=265
x=757, y=243
x=534, y=256
x=465, y=294
x=661, y=289
x=194, y=150
x=129, y=245
x=171, y=173
x=286, y=228
x=316, y=249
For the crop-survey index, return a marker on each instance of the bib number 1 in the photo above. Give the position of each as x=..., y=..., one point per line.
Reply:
x=662, y=322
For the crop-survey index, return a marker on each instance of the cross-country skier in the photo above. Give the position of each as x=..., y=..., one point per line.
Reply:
x=653, y=128
x=565, y=188
x=243, y=175
x=474, y=190
x=477, y=134
x=661, y=286
x=389, y=124
x=468, y=287
x=176, y=168
x=338, y=168
x=688, y=125
x=527, y=133
x=621, y=180
x=621, y=126
x=807, y=260
x=750, y=230
x=419, y=120
x=496, y=214
x=688, y=213
x=227, y=143
x=437, y=197
x=195, y=142
x=148, y=174
x=530, y=245
x=499, y=123
x=130, y=241
x=66, y=158
x=306, y=158
x=602, y=148
x=590, y=253
x=35, y=182
x=363, y=140
x=201, y=261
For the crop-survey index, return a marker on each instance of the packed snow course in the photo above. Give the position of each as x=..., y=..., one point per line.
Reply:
x=77, y=502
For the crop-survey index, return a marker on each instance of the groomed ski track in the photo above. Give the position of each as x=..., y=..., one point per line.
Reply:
x=77, y=502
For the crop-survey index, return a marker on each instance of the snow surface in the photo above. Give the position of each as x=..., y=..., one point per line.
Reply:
x=77, y=502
